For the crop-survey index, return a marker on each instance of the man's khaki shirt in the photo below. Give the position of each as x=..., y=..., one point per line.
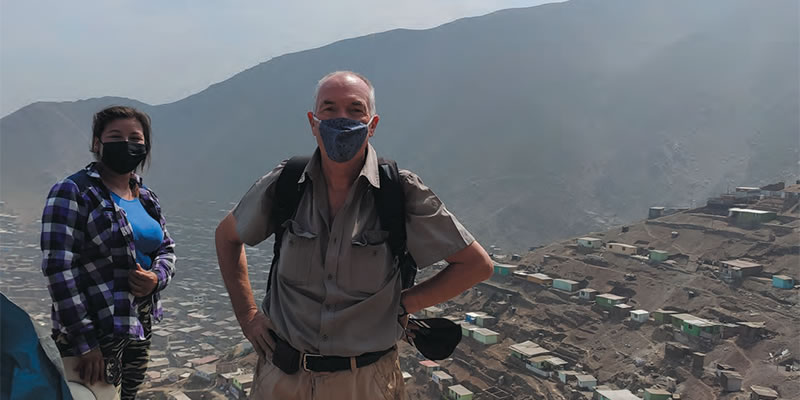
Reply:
x=336, y=290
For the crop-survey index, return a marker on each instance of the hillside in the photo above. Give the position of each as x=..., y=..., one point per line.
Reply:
x=532, y=124
x=618, y=352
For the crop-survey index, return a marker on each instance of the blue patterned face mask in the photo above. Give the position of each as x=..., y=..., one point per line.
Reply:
x=342, y=137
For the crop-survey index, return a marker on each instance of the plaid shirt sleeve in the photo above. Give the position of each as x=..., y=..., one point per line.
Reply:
x=164, y=262
x=63, y=230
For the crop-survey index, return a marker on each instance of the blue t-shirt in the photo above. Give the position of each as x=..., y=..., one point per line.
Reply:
x=147, y=233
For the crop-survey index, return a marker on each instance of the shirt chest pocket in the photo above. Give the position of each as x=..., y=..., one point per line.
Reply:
x=102, y=235
x=297, y=253
x=371, y=262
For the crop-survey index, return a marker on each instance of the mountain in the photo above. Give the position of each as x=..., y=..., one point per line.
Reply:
x=532, y=124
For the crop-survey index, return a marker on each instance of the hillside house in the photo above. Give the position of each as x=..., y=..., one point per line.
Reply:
x=441, y=379
x=751, y=331
x=640, y=316
x=467, y=328
x=609, y=300
x=658, y=256
x=587, y=294
x=749, y=218
x=663, y=317
x=589, y=242
x=782, y=282
x=485, y=336
x=458, y=392
x=621, y=311
x=504, y=269
x=537, y=365
x=739, y=269
x=701, y=328
x=731, y=381
x=432, y=312
x=747, y=192
x=655, y=212
x=657, y=394
x=565, y=285
x=622, y=248
x=537, y=278
x=587, y=381
x=567, y=377
x=429, y=367
x=612, y=394
x=526, y=350
x=555, y=364
x=472, y=317
x=696, y=326
x=160, y=339
x=485, y=320
x=677, y=319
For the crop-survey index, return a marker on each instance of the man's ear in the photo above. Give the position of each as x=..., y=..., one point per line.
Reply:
x=311, y=121
x=373, y=124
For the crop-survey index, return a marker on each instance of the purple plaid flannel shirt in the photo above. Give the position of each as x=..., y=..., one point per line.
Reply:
x=88, y=251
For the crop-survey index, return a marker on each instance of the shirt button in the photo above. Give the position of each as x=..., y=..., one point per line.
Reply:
x=335, y=240
x=324, y=338
x=330, y=277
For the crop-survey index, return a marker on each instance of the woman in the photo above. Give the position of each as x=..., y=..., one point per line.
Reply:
x=107, y=255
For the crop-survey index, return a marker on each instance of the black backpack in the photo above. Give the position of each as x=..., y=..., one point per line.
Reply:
x=389, y=200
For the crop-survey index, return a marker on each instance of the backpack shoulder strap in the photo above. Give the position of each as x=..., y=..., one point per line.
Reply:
x=288, y=191
x=287, y=197
x=390, y=201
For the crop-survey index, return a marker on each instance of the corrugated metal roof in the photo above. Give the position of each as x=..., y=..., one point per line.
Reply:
x=741, y=263
x=623, y=394
x=610, y=296
x=441, y=375
x=763, y=391
x=751, y=211
x=567, y=281
x=460, y=390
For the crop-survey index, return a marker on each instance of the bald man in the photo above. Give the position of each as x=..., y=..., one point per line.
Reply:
x=335, y=309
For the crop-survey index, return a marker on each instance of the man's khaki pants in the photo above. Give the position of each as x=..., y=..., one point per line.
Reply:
x=379, y=380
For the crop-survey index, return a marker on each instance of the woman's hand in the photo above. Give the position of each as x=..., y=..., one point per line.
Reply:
x=142, y=282
x=92, y=367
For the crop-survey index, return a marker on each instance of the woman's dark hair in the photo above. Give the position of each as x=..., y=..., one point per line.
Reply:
x=104, y=117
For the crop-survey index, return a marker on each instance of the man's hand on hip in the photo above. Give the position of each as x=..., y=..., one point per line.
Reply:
x=256, y=330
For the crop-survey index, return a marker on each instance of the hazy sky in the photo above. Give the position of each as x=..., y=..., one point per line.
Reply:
x=162, y=51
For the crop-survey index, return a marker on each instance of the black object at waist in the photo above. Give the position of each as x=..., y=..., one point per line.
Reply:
x=289, y=360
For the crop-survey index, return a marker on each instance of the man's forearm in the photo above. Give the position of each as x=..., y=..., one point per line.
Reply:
x=445, y=285
x=233, y=267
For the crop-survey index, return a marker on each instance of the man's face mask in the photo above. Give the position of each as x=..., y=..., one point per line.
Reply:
x=123, y=157
x=342, y=137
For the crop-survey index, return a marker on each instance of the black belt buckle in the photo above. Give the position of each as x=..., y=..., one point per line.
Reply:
x=306, y=356
x=285, y=357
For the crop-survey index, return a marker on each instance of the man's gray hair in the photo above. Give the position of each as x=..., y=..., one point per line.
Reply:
x=371, y=109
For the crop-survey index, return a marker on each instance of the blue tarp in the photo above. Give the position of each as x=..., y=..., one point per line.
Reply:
x=26, y=371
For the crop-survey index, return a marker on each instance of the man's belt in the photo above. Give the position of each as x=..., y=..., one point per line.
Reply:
x=289, y=360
